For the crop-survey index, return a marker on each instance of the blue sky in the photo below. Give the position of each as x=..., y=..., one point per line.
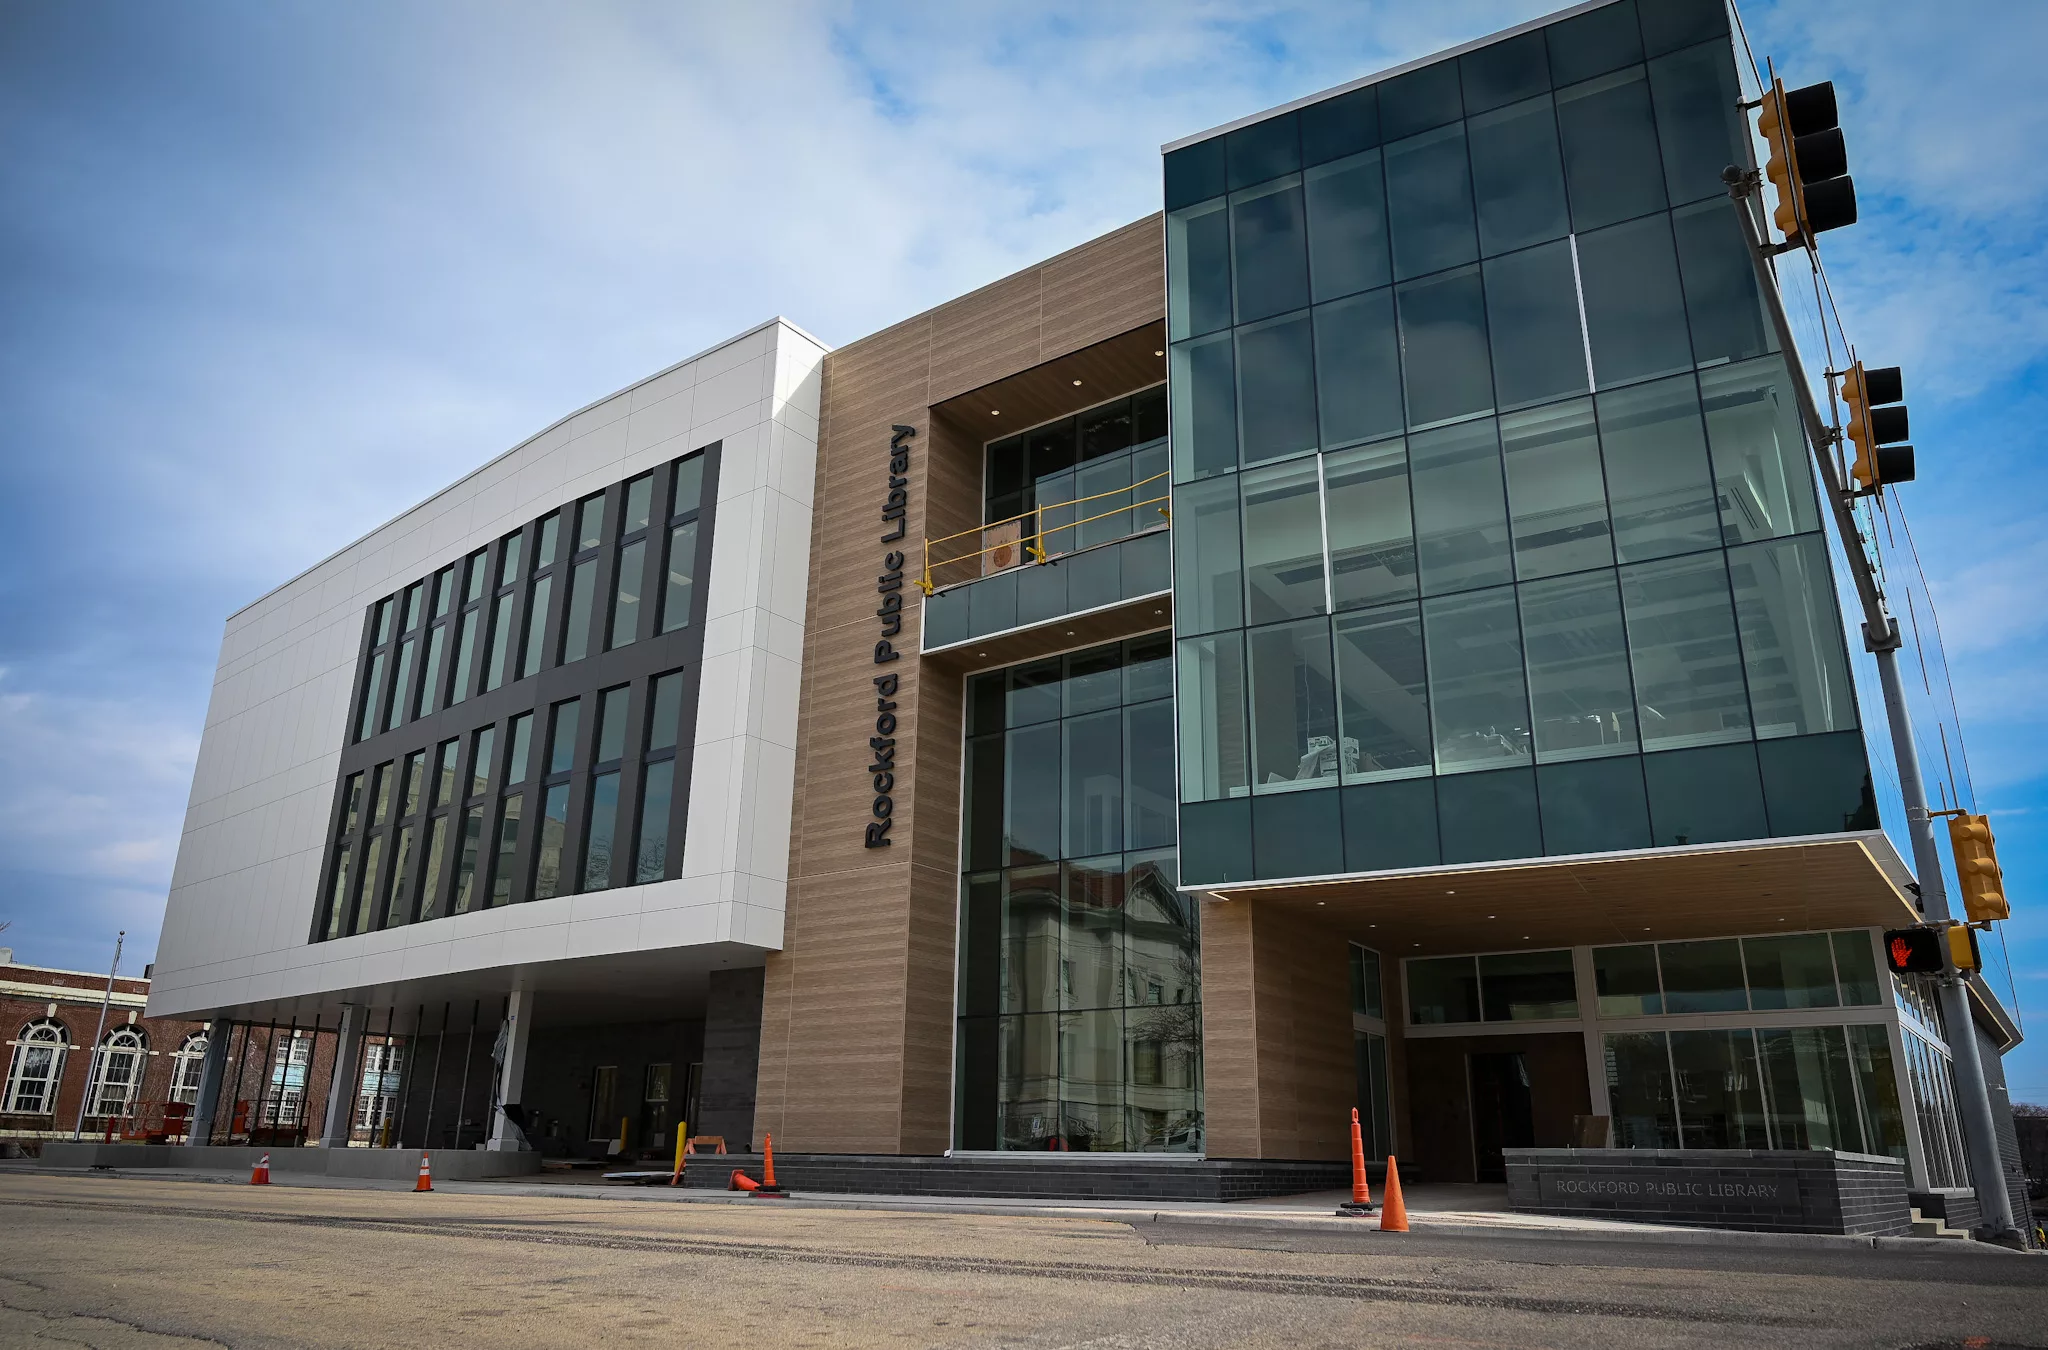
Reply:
x=272, y=272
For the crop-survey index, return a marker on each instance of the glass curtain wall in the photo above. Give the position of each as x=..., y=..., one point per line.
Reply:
x=1107, y=449
x=1079, y=986
x=1496, y=473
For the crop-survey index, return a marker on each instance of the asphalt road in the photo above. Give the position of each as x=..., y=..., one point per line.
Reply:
x=148, y=1265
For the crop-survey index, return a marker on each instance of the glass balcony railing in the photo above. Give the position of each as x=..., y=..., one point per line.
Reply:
x=1057, y=559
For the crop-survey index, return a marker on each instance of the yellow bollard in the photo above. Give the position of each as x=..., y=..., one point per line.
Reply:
x=682, y=1138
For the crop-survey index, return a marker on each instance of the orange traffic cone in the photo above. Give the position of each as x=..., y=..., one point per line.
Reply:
x=260, y=1174
x=768, y=1190
x=740, y=1181
x=426, y=1181
x=1360, y=1203
x=1394, y=1218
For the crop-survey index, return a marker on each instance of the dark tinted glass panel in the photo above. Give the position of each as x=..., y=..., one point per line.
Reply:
x=467, y=860
x=1579, y=689
x=1429, y=202
x=1461, y=527
x=1504, y=72
x=1420, y=100
x=1199, y=291
x=1262, y=150
x=1283, y=542
x=1698, y=122
x=1276, y=389
x=1595, y=806
x=1106, y=430
x=1761, y=471
x=1382, y=694
x=1702, y=977
x=1527, y=986
x=681, y=577
x=1443, y=338
x=657, y=785
x=1208, y=573
x=1610, y=149
x=1557, y=494
x=611, y=725
x=1486, y=816
x=688, y=492
x=1269, y=249
x=1148, y=767
x=1032, y=795
x=498, y=665
x=1204, y=389
x=1683, y=652
x=1793, y=971
x=562, y=745
x=1094, y=681
x=1594, y=43
x=1148, y=414
x=1626, y=978
x=665, y=713
x=590, y=522
x=1635, y=316
x=1294, y=706
x=508, y=850
x=1443, y=989
x=478, y=575
x=404, y=867
x=1297, y=834
x=437, y=650
x=1855, y=968
x=1720, y=286
x=1478, y=702
x=1194, y=172
x=1347, y=226
x=983, y=835
x=550, y=541
x=1358, y=369
x=1340, y=126
x=1371, y=535
x=1092, y=934
x=1148, y=668
x=1720, y=1098
x=444, y=591
x=1679, y=23
x=536, y=624
x=413, y=778
x=603, y=833
x=1813, y=1098
x=519, y=757
x=1049, y=450
x=1517, y=178
x=1210, y=703
x=626, y=603
x=639, y=503
x=582, y=599
x=483, y=751
x=1791, y=638
x=1658, y=482
x=1390, y=825
x=1817, y=784
x=1532, y=312
x=1706, y=796
x=1216, y=842
x=373, y=695
x=1639, y=1090
x=401, y=684
x=508, y=559
x=1035, y=693
x=444, y=774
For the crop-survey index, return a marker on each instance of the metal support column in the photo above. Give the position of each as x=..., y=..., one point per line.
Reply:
x=213, y=1071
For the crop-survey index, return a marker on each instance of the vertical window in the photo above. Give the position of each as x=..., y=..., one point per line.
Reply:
x=1684, y=654
x=508, y=850
x=1358, y=369
x=1517, y=177
x=1791, y=638
x=590, y=522
x=468, y=630
x=187, y=1067
x=380, y=795
x=1269, y=249
x=1429, y=202
x=1659, y=482
x=403, y=870
x=603, y=831
x=1371, y=530
x=1283, y=542
x=1557, y=492
x=1382, y=694
x=373, y=691
x=496, y=669
x=550, y=542
x=117, y=1071
x=1445, y=365
x=444, y=773
x=1294, y=707
x=338, y=891
x=1478, y=700
x=687, y=494
x=1198, y=289
x=1577, y=653
x=430, y=885
x=369, y=889
x=657, y=781
x=36, y=1068
x=1276, y=394
x=626, y=601
x=664, y=720
x=682, y=568
x=582, y=599
x=1204, y=388
x=480, y=761
x=536, y=623
x=352, y=803
x=1209, y=573
x=1213, y=759
x=411, y=783
x=554, y=832
x=401, y=687
x=562, y=743
x=466, y=863
x=1347, y=226
x=611, y=725
x=1532, y=315
x=1461, y=527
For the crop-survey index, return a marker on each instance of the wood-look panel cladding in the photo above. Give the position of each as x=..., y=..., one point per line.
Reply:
x=857, y=1022
x=1279, y=1072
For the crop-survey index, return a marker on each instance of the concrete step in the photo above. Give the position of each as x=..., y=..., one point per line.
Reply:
x=1935, y=1228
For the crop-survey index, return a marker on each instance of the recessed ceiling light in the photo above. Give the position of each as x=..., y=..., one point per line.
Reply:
x=981, y=653
x=1322, y=902
x=1450, y=892
x=1159, y=611
x=1159, y=353
x=1070, y=632
x=1489, y=916
x=1077, y=384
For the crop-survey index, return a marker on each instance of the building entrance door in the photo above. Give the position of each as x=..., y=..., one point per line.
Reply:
x=1503, y=1110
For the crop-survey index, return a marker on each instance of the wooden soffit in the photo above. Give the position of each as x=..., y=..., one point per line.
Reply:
x=1840, y=882
x=1129, y=361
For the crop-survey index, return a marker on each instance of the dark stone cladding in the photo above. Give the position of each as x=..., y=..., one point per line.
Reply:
x=1955, y=1207
x=1775, y=1191
x=1034, y=1176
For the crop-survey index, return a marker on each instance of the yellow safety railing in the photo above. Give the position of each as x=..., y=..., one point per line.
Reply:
x=1038, y=543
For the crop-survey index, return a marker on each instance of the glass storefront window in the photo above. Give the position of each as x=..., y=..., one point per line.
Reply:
x=1639, y=1097
x=1720, y=1096
x=1626, y=981
x=1527, y=986
x=1795, y=971
x=1442, y=989
x=1702, y=977
x=1365, y=982
x=1813, y=1101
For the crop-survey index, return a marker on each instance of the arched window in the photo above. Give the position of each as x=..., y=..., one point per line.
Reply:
x=187, y=1064
x=38, y=1062
x=118, y=1072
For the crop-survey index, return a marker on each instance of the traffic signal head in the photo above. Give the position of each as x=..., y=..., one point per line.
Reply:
x=1977, y=869
x=1913, y=951
x=1877, y=423
x=1962, y=948
x=1809, y=163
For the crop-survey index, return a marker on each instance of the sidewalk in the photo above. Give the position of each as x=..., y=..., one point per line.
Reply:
x=1438, y=1209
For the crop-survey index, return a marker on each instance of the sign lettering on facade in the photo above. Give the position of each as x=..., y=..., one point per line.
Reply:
x=889, y=586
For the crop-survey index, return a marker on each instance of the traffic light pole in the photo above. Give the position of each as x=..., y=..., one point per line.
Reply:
x=1881, y=636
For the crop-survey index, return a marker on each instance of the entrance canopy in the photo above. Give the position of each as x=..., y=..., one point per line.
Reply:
x=1820, y=882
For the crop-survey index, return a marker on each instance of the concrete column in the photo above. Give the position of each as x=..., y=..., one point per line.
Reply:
x=732, y=1056
x=505, y=1136
x=212, y=1071
x=348, y=1078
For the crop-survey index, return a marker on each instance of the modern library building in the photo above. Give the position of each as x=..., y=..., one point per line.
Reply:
x=1364, y=637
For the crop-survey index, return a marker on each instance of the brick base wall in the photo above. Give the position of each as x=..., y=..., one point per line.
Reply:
x=1778, y=1191
x=1035, y=1177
